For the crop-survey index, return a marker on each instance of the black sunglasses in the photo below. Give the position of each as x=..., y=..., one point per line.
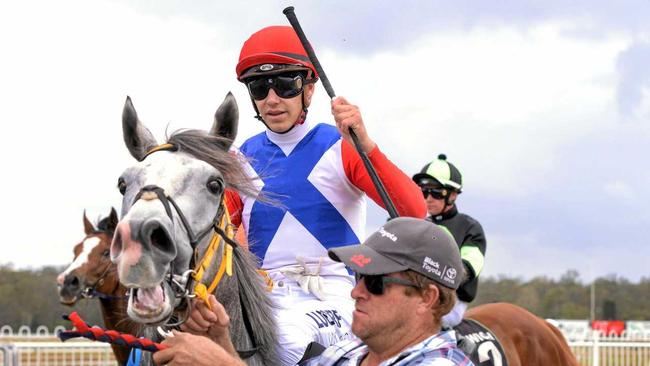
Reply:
x=437, y=193
x=285, y=86
x=375, y=283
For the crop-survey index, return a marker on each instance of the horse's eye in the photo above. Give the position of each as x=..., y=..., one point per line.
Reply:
x=215, y=186
x=121, y=185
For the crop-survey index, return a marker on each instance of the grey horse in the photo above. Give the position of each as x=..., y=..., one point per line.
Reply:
x=172, y=201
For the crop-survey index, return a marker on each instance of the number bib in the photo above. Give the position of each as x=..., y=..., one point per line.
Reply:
x=488, y=349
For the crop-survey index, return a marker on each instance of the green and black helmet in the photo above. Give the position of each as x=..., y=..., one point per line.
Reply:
x=442, y=172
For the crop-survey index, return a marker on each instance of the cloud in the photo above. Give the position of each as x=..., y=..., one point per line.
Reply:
x=369, y=27
x=633, y=94
x=498, y=102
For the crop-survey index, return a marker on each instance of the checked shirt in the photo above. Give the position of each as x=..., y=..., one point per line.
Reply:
x=437, y=350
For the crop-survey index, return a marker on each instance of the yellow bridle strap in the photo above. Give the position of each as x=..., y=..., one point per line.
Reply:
x=200, y=289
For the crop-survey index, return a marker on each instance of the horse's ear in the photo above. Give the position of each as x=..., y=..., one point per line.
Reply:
x=137, y=137
x=111, y=224
x=226, y=120
x=88, y=226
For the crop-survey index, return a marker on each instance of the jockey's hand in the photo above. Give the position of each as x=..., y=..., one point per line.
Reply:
x=348, y=116
x=213, y=324
x=189, y=349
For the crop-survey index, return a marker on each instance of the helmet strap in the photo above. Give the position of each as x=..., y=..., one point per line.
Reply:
x=303, y=115
x=448, y=200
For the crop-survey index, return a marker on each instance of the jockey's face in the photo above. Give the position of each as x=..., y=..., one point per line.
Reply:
x=280, y=114
x=435, y=205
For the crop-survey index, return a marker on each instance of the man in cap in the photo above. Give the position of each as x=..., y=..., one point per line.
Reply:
x=441, y=183
x=407, y=274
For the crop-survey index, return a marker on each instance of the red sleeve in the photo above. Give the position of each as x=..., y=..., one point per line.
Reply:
x=234, y=205
x=404, y=193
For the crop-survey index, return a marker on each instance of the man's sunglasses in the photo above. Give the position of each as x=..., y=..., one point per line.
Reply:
x=285, y=86
x=375, y=284
x=437, y=193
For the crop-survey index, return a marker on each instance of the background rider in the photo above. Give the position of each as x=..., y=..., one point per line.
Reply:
x=441, y=183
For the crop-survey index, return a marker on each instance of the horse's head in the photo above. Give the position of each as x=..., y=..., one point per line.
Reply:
x=91, y=266
x=172, y=198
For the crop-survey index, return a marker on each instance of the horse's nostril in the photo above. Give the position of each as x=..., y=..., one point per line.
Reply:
x=160, y=239
x=72, y=282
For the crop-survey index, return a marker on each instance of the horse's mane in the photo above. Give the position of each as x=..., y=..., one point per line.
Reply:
x=210, y=149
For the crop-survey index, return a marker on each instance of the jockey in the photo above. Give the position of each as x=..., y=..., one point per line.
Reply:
x=441, y=183
x=318, y=181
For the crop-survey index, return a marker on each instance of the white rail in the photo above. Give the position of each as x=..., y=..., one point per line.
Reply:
x=601, y=350
x=57, y=353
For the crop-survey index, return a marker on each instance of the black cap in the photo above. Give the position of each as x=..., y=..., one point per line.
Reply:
x=406, y=243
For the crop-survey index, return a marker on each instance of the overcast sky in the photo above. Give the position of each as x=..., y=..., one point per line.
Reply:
x=544, y=106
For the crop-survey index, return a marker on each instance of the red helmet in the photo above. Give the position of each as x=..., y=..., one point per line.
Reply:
x=273, y=49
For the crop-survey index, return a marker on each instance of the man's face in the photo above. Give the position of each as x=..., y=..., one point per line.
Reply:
x=435, y=206
x=280, y=114
x=376, y=316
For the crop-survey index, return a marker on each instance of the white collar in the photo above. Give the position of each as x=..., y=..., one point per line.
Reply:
x=287, y=141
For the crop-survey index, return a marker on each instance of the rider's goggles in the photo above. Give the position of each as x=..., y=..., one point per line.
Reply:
x=285, y=86
x=436, y=193
x=375, y=283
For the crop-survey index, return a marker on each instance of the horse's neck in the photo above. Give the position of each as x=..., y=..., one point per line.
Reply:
x=116, y=318
x=241, y=339
x=228, y=294
x=114, y=311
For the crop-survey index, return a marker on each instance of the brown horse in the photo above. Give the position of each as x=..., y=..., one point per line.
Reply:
x=92, y=274
x=526, y=339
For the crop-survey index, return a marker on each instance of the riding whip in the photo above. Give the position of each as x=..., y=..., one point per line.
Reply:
x=291, y=16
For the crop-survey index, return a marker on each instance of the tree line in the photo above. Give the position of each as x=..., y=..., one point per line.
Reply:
x=616, y=298
x=29, y=297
